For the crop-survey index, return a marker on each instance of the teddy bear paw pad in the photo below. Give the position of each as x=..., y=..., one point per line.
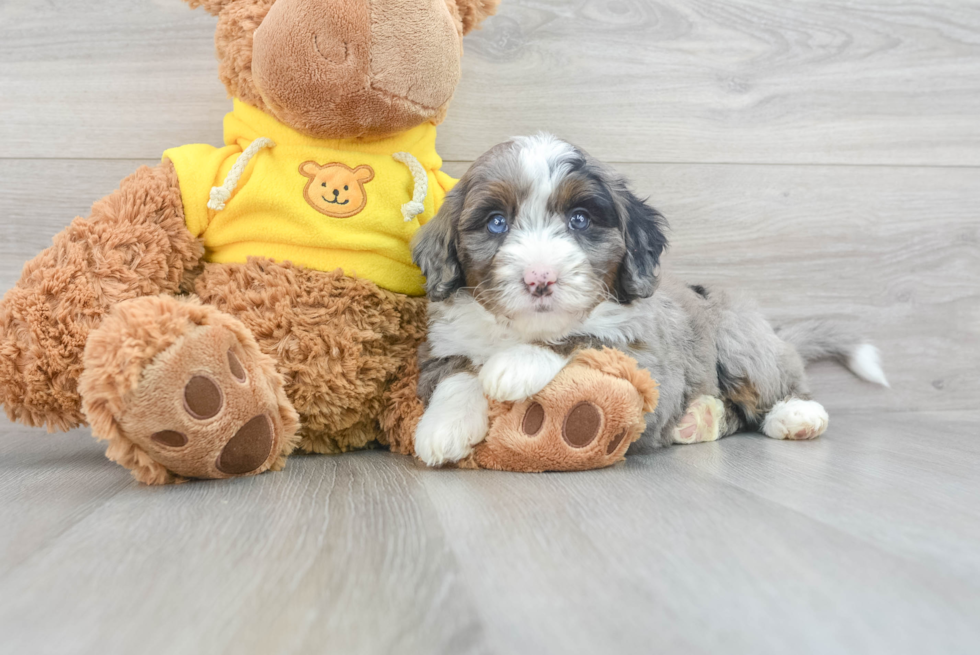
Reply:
x=205, y=409
x=248, y=449
x=580, y=427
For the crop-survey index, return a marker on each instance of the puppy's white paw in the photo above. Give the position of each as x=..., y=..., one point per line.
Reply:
x=703, y=421
x=520, y=372
x=795, y=419
x=455, y=421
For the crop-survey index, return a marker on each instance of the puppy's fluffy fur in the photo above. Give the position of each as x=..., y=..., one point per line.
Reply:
x=540, y=250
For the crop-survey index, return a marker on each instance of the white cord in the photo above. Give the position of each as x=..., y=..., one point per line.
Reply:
x=221, y=194
x=417, y=205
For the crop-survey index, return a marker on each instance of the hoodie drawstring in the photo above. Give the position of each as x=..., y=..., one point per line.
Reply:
x=221, y=194
x=417, y=205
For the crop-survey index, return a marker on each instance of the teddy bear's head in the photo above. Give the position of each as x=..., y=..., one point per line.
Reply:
x=344, y=68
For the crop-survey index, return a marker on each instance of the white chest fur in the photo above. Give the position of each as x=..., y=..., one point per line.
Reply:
x=463, y=327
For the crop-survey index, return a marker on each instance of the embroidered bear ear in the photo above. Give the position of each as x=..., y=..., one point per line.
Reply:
x=311, y=168
x=213, y=7
x=473, y=12
x=364, y=174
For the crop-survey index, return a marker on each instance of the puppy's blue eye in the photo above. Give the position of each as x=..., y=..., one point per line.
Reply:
x=497, y=224
x=579, y=220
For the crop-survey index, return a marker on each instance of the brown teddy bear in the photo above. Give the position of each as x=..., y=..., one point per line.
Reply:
x=232, y=304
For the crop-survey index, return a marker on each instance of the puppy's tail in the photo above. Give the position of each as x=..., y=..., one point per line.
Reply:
x=826, y=339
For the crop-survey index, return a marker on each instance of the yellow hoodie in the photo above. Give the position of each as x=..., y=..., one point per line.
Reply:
x=324, y=204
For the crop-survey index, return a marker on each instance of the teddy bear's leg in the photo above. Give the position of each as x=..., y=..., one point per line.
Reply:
x=181, y=390
x=586, y=418
x=133, y=244
x=340, y=343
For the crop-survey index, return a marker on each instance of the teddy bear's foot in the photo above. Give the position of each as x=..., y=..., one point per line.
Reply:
x=586, y=418
x=704, y=421
x=181, y=390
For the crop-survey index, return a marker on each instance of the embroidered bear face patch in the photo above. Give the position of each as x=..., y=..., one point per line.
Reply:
x=336, y=190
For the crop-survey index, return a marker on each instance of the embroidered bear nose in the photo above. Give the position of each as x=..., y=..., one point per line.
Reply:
x=336, y=192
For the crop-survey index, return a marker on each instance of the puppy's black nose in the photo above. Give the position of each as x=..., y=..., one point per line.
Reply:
x=540, y=290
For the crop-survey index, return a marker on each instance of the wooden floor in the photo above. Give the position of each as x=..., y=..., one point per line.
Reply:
x=824, y=157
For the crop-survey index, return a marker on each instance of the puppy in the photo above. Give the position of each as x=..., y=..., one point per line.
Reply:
x=541, y=250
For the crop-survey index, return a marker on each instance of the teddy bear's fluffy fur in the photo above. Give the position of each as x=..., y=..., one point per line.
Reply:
x=107, y=324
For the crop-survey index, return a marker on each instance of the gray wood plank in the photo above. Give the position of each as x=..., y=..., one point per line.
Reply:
x=747, y=545
x=760, y=81
x=907, y=484
x=48, y=483
x=107, y=78
x=896, y=250
x=662, y=556
x=334, y=555
x=633, y=80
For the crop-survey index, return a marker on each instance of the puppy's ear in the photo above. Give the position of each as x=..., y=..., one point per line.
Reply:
x=643, y=229
x=435, y=248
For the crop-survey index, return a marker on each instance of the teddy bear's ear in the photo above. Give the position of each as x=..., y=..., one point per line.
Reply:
x=211, y=6
x=473, y=12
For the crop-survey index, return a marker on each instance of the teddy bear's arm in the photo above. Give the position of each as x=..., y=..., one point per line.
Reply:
x=586, y=418
x=134, y=243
